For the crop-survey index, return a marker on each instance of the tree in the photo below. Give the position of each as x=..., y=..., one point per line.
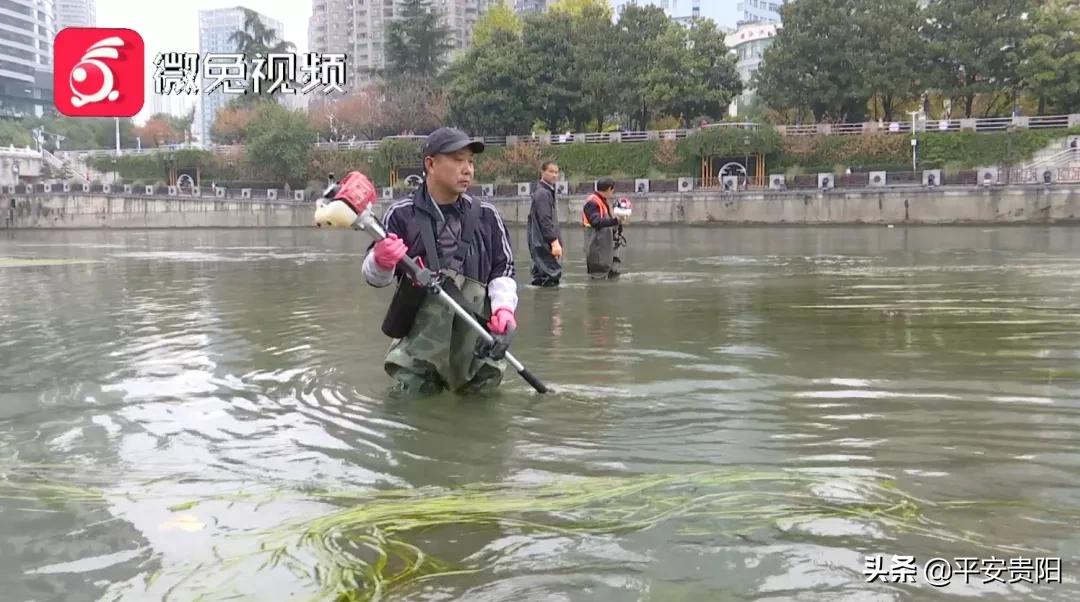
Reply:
x=85, y=132
x=711, y=79
x=278, y=143
x=418, y=43
x=595, y=51
x=157, y=131
x=644, y=36
x=412, y=104
x=1051, y=67
x=254, y=41
x=814, y=61
x=574, y=68
x=577, y=8
x=489, y=88
x=183, y=123
x=894, y=56
x=553, y=82
x=498, y=17
x=12, y=133
x=975, y=46
x=231, y=122
x=360, y=114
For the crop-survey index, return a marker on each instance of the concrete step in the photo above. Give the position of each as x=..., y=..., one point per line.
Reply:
x=77, y=171
x=1054, y=154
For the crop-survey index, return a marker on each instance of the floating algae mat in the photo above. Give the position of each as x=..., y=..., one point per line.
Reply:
x=28, y=262
x=364, y=547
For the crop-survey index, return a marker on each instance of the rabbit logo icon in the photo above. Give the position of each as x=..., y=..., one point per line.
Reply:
x=98, y=72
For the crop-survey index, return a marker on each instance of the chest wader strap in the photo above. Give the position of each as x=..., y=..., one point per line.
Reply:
x=464, y=243
x=456, y=264
x=408, y=297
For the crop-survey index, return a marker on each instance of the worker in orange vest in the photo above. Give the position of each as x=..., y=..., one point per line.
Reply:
x=600, y=231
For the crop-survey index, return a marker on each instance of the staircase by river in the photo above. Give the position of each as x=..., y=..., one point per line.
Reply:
x=77, y=170
x=1057, y=155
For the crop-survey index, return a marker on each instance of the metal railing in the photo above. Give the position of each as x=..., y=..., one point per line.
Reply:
x=823, y=183
x=59, y=165
x=19, y=152
x=1059, y=159
x=990, y=124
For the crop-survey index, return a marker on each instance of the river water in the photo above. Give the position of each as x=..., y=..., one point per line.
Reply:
x=749, y=413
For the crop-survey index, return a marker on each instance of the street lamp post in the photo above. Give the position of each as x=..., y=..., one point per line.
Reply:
x=914, y=141
x=1009, y=131
x=746, y=161
x=15, y=170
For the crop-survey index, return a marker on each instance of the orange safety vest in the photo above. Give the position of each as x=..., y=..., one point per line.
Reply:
x=603, y=209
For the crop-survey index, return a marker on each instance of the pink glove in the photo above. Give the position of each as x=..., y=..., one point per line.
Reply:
x=389, y=251
x=502, y=321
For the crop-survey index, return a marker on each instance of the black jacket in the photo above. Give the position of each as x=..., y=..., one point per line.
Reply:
x=543, y=216
x=491, y=255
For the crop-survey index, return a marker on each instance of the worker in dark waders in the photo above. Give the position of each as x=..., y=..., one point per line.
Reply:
x=602, y=229
x=466, y=242
x=545, y=248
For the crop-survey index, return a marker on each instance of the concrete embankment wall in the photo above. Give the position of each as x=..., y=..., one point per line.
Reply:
x=83, y=210
x=995, y=205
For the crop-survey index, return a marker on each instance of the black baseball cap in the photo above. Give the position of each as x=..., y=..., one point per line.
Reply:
x=449, y=140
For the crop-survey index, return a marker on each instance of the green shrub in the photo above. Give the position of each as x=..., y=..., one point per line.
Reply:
x=730, y=142
x=952, y=151
x=972, y=149
x=520, y=163
x=822, y=153
x=632, y=159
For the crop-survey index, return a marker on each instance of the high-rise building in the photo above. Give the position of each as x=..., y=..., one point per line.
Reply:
x=170, y=104
x=460, y=17
x=695, y=14
x=76, y=13
x=216, y=28
x=29, y=27
x=357, y=28
x=760, y=11
x=671, y=7
x=748, y=44
x=525, y=7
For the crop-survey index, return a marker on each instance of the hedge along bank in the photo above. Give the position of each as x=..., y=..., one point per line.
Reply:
x=781, y=154
x=395, y=158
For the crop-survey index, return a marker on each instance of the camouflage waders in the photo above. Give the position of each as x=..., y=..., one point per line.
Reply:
x=439, y=351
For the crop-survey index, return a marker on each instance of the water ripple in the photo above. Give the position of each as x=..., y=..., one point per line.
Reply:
x=243, y=371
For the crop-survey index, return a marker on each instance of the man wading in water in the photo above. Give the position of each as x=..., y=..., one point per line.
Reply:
x=464, y=240
x=543, y=230
x=601, y=230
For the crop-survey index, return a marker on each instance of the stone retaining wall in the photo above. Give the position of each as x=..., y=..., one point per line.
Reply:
x=948, y=205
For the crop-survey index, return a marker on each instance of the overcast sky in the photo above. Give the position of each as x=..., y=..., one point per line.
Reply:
x=174, y=25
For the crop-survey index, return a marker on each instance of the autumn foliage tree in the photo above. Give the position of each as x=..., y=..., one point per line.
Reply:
x=157, y=131
x=517, y=163
x=230, y=123
x=379, y=110
x=358, y=114
x=413, y=105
